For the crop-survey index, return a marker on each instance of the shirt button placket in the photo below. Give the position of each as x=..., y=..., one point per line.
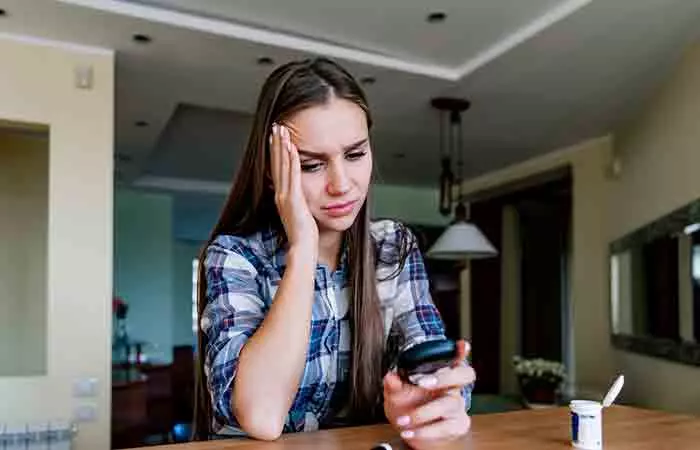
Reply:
x=330, y=290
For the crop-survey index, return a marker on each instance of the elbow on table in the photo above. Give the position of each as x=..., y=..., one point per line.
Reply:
x=259, y=423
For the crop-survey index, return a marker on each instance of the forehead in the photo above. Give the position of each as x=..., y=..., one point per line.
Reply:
x=328, y=127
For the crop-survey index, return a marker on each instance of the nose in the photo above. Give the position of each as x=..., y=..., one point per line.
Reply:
x=338, y=182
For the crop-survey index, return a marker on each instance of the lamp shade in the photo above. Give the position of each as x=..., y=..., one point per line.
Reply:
x=462, y=240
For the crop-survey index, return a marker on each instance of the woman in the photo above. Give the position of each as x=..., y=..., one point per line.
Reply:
x=303, y=303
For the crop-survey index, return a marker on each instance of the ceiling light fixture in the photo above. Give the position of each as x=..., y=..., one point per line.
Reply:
x=265, y=61
x=142, y=39
x=436, y=17
x=461, y=240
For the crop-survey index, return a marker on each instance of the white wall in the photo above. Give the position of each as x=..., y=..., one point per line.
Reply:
x=660, y=172
x=24, y=186
x=660, y=163
x=38, y=87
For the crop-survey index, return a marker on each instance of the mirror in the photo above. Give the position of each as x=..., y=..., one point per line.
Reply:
x=24, y=184
x=655, y=288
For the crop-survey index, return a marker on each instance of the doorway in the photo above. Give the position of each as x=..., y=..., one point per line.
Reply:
x=520, y=299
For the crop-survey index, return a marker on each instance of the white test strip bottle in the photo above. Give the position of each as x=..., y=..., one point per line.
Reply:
x=586, y=424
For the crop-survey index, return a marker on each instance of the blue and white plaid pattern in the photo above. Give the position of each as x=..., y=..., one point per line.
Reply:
x=242, y=275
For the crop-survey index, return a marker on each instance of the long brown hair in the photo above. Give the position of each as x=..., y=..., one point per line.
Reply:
x=250, y=207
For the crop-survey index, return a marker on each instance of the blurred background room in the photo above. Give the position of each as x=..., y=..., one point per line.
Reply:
x=569, y=138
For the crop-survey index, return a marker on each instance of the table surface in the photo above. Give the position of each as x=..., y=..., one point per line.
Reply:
x=545, y=429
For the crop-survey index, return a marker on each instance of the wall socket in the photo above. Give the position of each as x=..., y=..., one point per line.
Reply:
x=83, y=77
x=85, y=413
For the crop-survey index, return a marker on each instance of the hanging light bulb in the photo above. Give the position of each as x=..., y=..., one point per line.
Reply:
x=462, y=239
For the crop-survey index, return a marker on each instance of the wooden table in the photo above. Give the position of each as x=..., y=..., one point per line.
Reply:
x=624, y=428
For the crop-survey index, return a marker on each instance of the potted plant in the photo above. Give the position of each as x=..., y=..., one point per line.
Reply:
x=120, y=340
x=540, y=379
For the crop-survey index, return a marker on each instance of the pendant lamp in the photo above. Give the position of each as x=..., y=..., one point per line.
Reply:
x=462, y=240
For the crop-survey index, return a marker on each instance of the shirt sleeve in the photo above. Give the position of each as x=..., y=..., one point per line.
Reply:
x=416, y=319
x=234, y=311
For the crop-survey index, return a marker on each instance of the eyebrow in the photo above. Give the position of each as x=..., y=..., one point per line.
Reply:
x=347, y=148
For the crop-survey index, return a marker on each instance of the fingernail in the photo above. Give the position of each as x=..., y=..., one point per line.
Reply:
x=408, y=434
x=403, y=421
x=427, y=381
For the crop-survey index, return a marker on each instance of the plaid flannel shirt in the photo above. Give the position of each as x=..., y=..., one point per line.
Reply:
x=243, y=274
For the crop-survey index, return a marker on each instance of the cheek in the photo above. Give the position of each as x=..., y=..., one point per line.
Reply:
x=362, y=173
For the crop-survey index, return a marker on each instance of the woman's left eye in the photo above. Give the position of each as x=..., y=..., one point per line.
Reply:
x=356, y=155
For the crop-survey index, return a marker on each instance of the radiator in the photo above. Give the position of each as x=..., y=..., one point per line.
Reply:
x=57, y=435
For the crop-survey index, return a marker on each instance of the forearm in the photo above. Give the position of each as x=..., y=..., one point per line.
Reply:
x=272, y=362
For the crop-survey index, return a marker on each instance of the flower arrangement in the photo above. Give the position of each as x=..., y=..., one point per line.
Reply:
x=120, y=339
x=119, y=307
x=539, y=378
x=551, y=371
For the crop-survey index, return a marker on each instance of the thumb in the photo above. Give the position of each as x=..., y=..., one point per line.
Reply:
x=392, y=382
x=463, y=350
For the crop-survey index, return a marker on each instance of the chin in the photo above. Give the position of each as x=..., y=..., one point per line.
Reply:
x=338, y=224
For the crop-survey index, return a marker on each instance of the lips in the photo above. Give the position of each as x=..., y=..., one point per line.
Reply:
x=340, y=209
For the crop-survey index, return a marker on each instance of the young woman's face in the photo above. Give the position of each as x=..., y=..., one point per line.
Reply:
x=336, y=161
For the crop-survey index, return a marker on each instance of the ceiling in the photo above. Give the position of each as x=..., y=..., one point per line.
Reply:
x=541, y=74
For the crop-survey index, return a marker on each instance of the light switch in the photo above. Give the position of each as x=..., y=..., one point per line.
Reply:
x=85, y=388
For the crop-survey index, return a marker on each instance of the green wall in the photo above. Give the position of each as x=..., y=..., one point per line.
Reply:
x=408, y=204
x=143, y=255
x=183, y=254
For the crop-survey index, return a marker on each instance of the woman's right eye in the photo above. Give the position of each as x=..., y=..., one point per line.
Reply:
x=310, y=167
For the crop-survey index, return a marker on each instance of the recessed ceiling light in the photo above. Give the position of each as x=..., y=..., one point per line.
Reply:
x=436, y=17
x=142, y=38
x=141, y=123
x=120, y=157
x=265, y=61
x=368, y=80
